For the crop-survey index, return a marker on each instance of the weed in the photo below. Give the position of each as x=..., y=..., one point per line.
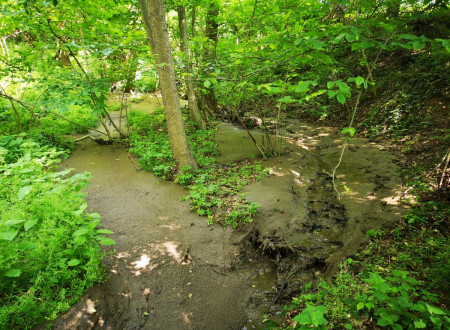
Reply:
x=388, y=284
x=215, y=190
x=49, y=245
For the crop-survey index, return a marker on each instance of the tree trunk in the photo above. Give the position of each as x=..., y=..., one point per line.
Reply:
x=192, y=101
x=212, y=29
x=154, y=20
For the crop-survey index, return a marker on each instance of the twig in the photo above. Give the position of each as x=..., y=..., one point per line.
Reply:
x=445, y=169
x=353, y=117
x=285, y=282
x=93, y=94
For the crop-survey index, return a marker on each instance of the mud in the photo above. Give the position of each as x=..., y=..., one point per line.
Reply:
x=169, y=267
x=304, y=229
x=170, y=270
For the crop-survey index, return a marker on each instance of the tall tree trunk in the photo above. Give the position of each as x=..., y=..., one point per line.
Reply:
x=192, y=101
x=154, y=20
x=211, y=32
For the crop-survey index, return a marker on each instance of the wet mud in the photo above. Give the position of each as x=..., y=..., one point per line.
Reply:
x=170, y=270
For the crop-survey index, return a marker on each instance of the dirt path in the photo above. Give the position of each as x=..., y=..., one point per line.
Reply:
x=172, y=271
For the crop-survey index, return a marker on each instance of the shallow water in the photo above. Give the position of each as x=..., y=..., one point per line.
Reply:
x=171, y=270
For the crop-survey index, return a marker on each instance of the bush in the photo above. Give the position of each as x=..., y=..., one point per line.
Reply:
x=147, y=82
x=49, y=245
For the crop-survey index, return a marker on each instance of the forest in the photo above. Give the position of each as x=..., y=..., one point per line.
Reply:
x=224, y=164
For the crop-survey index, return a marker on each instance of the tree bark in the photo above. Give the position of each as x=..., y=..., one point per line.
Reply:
x=154, y=19
x=192, y=101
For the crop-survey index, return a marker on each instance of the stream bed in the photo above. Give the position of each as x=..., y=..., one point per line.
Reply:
x=170, y=270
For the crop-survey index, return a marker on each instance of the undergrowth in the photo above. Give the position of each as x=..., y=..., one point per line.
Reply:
x=399, y=280
x=215, y=190
x=49, y=245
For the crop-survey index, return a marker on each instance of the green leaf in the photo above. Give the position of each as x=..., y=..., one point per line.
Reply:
x=434, y=310
x=360, y=306
x=207, y=83
x=408, y=36
x=24, y=191
x=27, y=245
x=350, y=37
x=356, y=45
x=8, y=235
x=420, y=324
x=29, y=224
x=107, y=241
x=339, y=38
x=303, y=86
x=348, y=326
x=105, y=231
x=81, y=231
x=341, y=97
x=13, y=273
x=13, y=222
x=418, y=44
x=359, y=80
x=316, y=44
x=74, y=262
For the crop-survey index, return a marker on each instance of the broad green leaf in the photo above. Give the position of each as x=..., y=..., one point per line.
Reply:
x=341, y=97
x=73, y=262
x=105, y=231
x=420, y=324
x=316, y=44
x=418, y=45
x=107, y=241
x=80, y=232
x=13, y=273
x=24, y=191
x=8, y=235
x=350, y=37
x=302, y=86
x=13, y=222
x=360, y=306
x=356, y=45
x=435, y=310
x=27, y=245
x=359, y=80
x=207, y=83
x=339, y=38
x=286, y=99
x=408, y=36
x=29, y=224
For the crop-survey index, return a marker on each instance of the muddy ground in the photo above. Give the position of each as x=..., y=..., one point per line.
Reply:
x=170, y=270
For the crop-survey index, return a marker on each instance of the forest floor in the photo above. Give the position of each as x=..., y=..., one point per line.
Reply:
x=170, y=270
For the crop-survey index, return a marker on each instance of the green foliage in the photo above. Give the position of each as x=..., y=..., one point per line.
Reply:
x=312, y=316
x=393, y=288
x=49, y=245
x=147, y=82
x=214, y=189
